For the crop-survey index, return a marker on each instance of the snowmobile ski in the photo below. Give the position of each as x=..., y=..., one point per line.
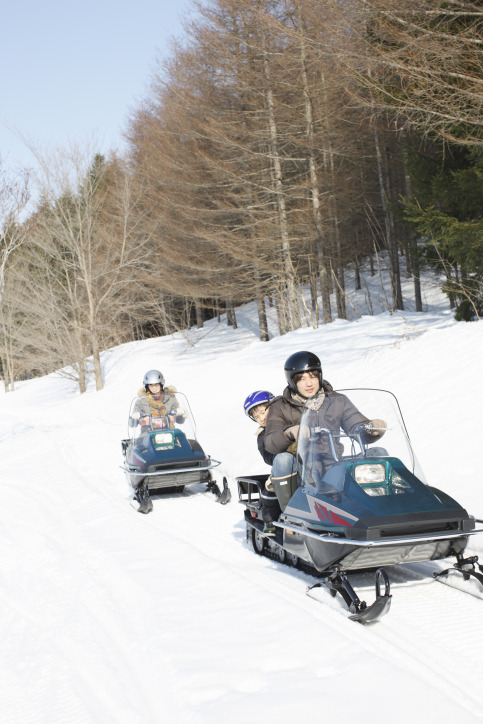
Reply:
x=222, y=496
x=143, y=498
x=467, y=567
x=337, y=582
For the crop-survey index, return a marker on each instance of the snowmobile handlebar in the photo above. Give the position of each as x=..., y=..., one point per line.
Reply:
x=357, y=435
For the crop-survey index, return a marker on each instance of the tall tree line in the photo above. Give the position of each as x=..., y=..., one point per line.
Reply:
x=282, y=143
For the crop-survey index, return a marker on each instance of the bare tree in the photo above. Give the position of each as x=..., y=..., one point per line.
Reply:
x=422, y=60
x=253, y=149
x=14, y=197
x=88, y=253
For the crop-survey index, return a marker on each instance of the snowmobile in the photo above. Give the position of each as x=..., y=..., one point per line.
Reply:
x=162, y=454
x=358, y=507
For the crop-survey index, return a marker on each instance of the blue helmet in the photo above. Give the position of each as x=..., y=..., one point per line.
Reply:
x=260, y=397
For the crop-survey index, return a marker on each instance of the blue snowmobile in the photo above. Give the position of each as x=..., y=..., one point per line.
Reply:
x=162, y=454
x=359, y=506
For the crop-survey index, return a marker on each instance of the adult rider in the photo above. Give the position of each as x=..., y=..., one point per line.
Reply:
x=157, y=403
x=303, y=372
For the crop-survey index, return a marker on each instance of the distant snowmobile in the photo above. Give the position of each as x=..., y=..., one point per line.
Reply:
x=360, y=507
x=162, y=454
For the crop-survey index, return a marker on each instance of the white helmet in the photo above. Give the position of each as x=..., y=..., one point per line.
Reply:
x=153, y=377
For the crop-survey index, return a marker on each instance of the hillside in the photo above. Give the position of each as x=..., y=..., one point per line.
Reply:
x=111, y=616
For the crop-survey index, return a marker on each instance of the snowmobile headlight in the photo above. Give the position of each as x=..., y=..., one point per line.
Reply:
x=365, y=474
x=374, y=490
x=163, y=439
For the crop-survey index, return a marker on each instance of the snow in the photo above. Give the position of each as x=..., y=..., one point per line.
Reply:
x=110, y=616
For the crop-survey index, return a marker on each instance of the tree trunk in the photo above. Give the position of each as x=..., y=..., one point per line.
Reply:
x=313, y=291
x=293, y=314
x=231, y=315
x=80, y=368
x=339, y=276
x=314, y=182
x=96, y=356
x=262, y=319
x=357, y=273
x=199, y=315
x=391, y=243
x=413, y=254
x=262, y=314
x=340, y=290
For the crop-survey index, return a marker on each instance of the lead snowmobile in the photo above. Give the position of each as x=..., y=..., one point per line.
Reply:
x=162, y=454
x=360, y=506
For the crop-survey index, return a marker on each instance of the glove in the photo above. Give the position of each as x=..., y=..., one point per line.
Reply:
x=292, y=432
x=269, y=485
x=374, y=428
x=180, y=415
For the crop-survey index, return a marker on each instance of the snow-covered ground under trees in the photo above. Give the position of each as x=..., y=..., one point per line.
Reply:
x=108, y=616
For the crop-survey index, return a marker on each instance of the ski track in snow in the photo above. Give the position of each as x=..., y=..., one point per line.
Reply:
x=110, y=616
x=433, y=626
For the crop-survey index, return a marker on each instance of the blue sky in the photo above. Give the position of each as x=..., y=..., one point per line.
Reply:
x=73, y=70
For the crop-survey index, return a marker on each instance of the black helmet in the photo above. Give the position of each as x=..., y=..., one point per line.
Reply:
x=153, y=377
x=301, y=362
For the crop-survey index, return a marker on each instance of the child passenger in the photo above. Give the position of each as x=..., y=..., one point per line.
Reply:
x=256, y=406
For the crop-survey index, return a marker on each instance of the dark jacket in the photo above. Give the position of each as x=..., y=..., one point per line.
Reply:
x=337, y=410
x=267, y=457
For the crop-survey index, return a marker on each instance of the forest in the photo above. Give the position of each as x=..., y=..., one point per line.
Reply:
x=281, y=144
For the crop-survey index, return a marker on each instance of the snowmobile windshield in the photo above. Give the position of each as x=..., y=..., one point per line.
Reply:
x=157, y=413
x=337, y=430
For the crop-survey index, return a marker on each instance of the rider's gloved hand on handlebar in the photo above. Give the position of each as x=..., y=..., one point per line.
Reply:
x=180, y=415
x=376, y=428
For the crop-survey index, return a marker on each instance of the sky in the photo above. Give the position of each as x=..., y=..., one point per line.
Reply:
x=107, y=615
x=73, y=71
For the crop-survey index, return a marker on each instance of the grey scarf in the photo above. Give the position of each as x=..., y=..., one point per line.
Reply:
x=313, y=403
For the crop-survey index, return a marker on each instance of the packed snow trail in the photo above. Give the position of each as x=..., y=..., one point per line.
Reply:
x=107, y=615
x=444, y=618
x=175, y=604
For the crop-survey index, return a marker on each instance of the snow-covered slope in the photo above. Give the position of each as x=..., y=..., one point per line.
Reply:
x=114, y=617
